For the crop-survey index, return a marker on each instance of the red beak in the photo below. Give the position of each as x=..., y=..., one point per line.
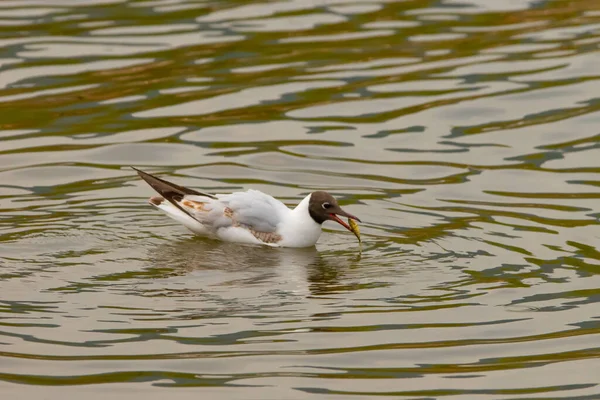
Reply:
x=337, y=219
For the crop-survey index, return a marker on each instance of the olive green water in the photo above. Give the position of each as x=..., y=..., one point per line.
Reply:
x=465, y=135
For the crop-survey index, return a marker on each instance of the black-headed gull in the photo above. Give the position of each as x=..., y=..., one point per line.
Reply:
x=247, y=217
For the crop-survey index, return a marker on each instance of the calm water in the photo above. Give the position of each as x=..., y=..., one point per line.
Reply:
x=465, y=134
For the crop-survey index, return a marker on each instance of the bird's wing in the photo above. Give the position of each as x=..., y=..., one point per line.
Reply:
x=253, y=210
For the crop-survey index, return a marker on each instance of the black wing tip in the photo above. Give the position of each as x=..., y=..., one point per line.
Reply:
x=146, y=176
x=168, y=189
x=139, y=171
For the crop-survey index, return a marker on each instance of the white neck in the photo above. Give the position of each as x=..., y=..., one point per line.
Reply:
x=298, y=228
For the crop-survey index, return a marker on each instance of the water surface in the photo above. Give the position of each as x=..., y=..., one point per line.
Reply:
x=463, y=133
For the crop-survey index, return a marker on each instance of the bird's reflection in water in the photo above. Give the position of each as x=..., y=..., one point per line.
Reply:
x=304, y=271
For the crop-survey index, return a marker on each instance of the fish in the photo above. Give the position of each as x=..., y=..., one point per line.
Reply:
x=354, y=229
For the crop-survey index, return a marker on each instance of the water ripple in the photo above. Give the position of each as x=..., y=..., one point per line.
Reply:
x=462, y=133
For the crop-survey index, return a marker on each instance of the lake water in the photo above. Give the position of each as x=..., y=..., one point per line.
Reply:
x=465, y=135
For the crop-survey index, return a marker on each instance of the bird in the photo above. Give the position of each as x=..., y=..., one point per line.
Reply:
x=249, y=217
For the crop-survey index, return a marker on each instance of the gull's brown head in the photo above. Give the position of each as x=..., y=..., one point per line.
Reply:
x=323, y=207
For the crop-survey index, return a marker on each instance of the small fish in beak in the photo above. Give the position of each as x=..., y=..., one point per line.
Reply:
x=333, y=215
x=355, y=229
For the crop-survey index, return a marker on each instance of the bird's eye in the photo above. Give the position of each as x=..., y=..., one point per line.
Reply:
x=326, y=205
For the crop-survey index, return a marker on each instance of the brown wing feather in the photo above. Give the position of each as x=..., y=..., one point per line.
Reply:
x=170, y=191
